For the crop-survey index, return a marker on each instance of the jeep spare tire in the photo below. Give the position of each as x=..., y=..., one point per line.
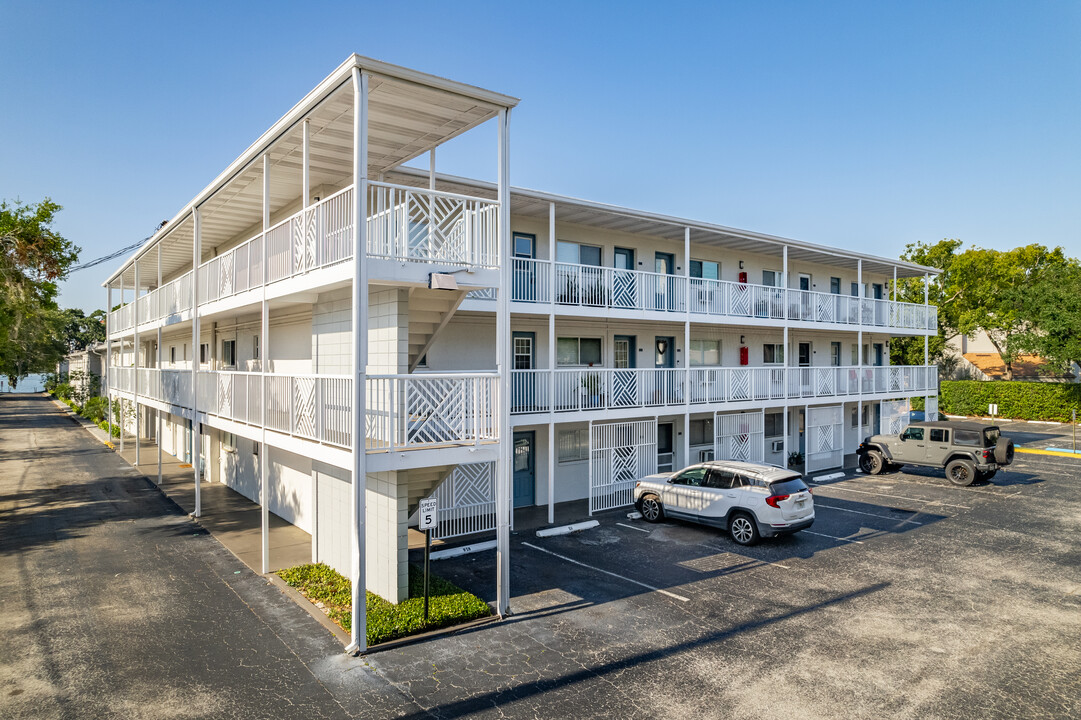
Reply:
x=1004, y=451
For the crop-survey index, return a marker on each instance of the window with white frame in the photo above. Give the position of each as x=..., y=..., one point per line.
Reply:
x=572, y=445
x=228, y=353
x=204, y=353
x=580, y=352
x=866, y=417
x=577, y=254
x=773, y=354
x=254, y=347
x=700, y=432
x=705, y=352
x=172, y=353
x=228, y=442
x=771, y=278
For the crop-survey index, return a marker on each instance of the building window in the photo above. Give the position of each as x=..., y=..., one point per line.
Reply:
x=835, y=354
x=204, y=352
x=705, y=353
x=771, y=278
x=228, y=353
x=573, y=445
x=774, y=423
x=576, y=254
x=773, y=354
x=255, y=347
x=701, y=432
x=172, y=353
x=835, y=285
x=580, y=352
x=705, y=269
x=866, y=417
x=228, y=442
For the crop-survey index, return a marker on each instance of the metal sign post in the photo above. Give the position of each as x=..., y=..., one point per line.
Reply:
x=427, y=520
x=993, y=409
x=1073, y=429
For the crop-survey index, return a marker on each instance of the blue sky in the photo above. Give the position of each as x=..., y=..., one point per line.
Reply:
x=865, y=125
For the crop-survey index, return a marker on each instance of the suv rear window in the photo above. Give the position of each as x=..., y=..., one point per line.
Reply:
x=971, y=438
x=992, y=436
x=787, y=487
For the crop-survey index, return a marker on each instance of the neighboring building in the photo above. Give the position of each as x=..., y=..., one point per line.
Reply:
x=579, y=346
x=979, y=360
x=83, y=369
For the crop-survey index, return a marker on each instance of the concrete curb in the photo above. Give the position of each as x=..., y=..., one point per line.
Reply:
x=463, y=550
x=567, y=529
x=321, y=617
x=831, y=476
x=1034, y=451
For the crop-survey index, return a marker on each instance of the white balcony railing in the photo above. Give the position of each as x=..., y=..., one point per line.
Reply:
x=404, y=411
x=592, y=286
x=172, y=298
x=567, y=390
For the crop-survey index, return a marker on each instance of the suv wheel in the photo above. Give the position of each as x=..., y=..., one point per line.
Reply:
x=650, y=507
x=743, y=529
x=872, y=462
x=961, y=472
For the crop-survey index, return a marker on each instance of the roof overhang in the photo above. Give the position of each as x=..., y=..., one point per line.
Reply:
x=410, y=113
x=536, y=204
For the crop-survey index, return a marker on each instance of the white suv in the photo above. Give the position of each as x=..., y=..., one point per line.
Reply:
x=749, y=500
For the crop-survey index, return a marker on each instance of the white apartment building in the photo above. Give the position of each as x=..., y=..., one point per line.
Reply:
x=570, y=348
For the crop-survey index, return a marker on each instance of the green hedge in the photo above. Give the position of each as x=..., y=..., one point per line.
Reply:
x=1016, y=400
x=449, y=604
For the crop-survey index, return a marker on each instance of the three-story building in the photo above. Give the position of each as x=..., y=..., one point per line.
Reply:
x=519, y=348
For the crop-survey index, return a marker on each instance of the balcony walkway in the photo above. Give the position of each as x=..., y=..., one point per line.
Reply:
x=231, y=518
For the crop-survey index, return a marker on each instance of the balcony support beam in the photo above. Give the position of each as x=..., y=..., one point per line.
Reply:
x=787, y=354
x=264, y=352
x=359, y=641
x=551, y=361
x=503, y=339
x=196, y=440
x=157, y=366
x=109, y=353
x=859, y=349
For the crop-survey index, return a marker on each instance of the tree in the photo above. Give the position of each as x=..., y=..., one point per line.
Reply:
x=993, y=291
x=81, y=330
x=33, y=257
x=1054, y=309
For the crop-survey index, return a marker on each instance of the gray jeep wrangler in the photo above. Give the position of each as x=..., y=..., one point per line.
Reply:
x=969, y=451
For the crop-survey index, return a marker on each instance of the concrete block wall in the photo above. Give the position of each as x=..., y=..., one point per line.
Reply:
x=387, y=547
x=332, y=335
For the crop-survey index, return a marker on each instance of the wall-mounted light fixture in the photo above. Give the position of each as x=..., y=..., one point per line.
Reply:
x=740, y=264
x=741, y=342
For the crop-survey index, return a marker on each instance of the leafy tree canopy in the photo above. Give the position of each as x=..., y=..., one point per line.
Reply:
x=1026, y=300
x=33, y=258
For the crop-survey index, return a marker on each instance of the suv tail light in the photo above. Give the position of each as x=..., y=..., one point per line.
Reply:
x=772, y=500
x=986, y=454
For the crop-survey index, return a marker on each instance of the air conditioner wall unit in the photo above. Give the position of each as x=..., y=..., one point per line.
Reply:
x=705, y=455
x=777, y=445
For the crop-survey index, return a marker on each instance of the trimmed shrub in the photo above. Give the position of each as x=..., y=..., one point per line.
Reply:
x=449, y=604
x=1016, y=400
x=95, y=408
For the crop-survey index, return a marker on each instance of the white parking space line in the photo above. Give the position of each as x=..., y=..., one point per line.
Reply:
x=929, y=482
x=632, y=527
x=833, y=537
x=899, y=497
x=597, y=569
x=729, y=552
x=860, y=512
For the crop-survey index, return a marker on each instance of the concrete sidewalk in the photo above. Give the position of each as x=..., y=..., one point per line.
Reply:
x=233, y=520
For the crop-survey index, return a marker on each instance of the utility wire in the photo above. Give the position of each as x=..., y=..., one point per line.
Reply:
x=113, y=255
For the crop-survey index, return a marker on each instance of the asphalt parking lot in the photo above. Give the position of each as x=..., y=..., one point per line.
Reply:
x=907, y=598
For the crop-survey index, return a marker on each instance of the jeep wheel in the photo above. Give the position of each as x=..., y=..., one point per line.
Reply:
x=1004, y=451
x=961, y=472
x=872, y=462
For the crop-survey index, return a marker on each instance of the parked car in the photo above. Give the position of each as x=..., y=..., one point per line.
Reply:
x=969, y=451
x=748, y=500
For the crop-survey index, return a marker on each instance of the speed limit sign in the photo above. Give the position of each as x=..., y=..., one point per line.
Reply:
x=428, y=515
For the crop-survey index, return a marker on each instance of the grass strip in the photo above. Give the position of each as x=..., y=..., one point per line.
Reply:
x=448, y=605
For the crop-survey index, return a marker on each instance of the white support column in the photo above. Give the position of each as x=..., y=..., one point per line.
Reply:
x=264, y=347
x=687, y=347
x=109, y=353
x=787, y=360
x=503, y=477
x=157, y=365
x=928, y=381
x=359, y=641
x=894, y=286
x=859, y=351
x=135, y=360
x=551, y=361
x=306, y=178
x=120, y=397
x=196, y=440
